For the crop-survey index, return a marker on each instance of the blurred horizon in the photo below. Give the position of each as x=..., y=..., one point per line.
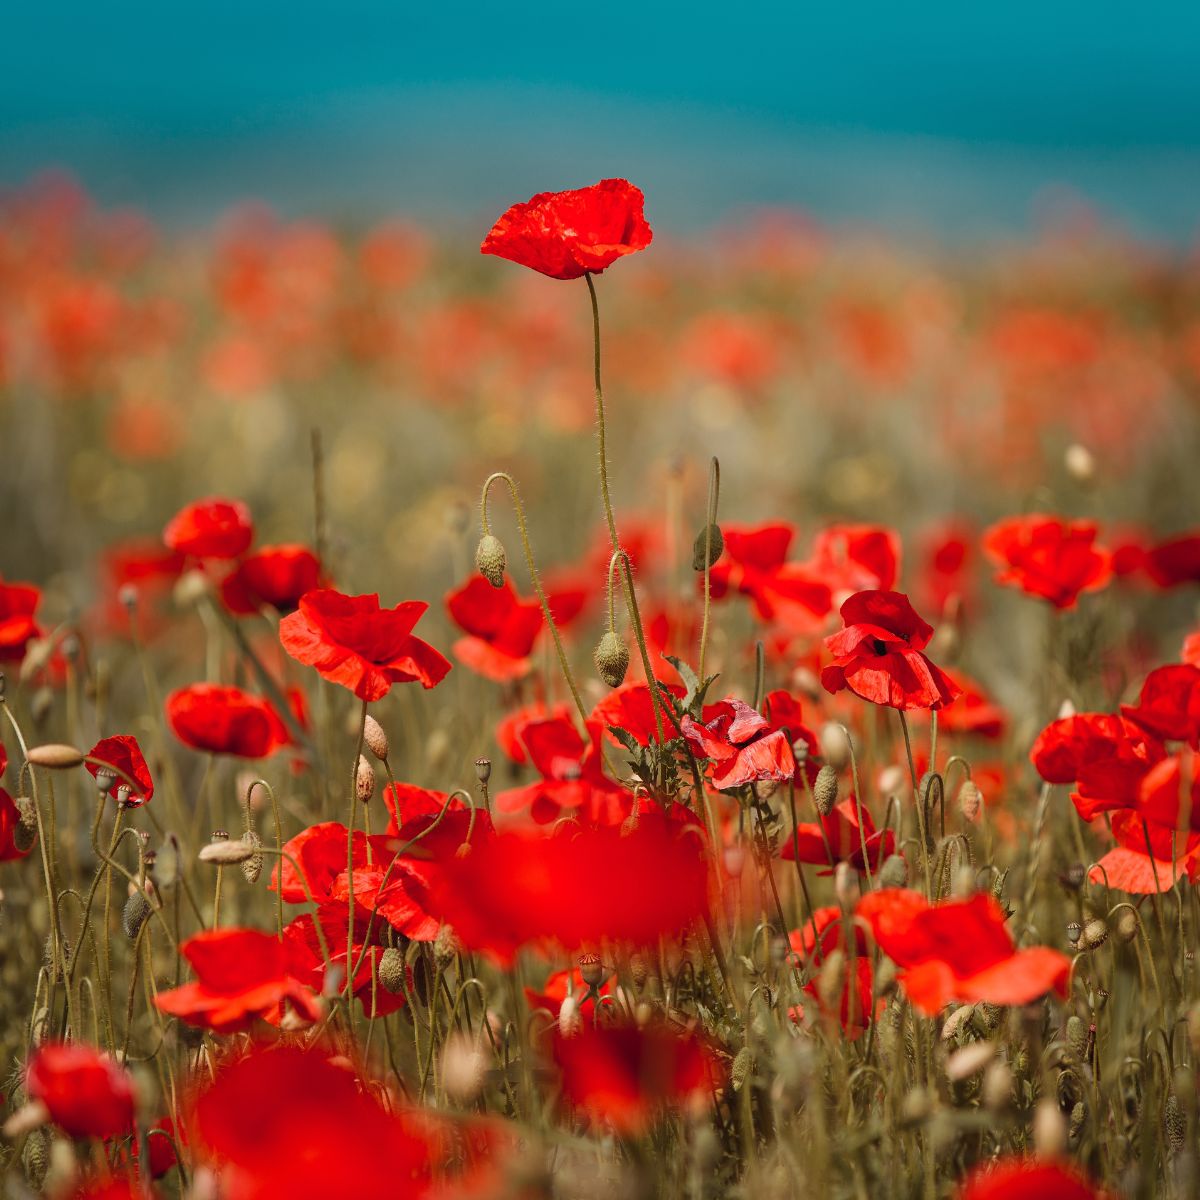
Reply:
x=948, y=124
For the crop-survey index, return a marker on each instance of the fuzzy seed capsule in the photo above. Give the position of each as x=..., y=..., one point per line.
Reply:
x=1095, y=934
x=445, y=947
x=375, y=738
x=612, y=659
x=825, y=790
x=391, y=970
x=364, y=780
x=134, y=915
x=708, y=547
x=894, y=872
x=490, y=560
x=743, y=1063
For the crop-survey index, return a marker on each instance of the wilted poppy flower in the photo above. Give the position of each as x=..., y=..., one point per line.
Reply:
x=283, y=1121
x=1048, y=557
x=501, y=628
x=624, y=1076
x=18, y=603
x=241, y=976
x=958, y=950
x=843, y=839
x=225, y=720
x=878, y=654
x=272, y=577
x=352, y=641
x=567, y=234
x=577, y=887
x=572, y=781
x=123, y=753
x=212, y=528
x=84, y=1091
x=741, y=744
x=755, y=564
x=1027, y=1179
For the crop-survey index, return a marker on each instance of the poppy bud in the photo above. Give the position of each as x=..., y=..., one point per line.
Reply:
x=845, y=885
x=612, y=659
x=894, y=872
x=956, y=1021
x=1073, y=877
x=996, y=1092
x=483, y=769
x=225, y=853
x=1074, y=932
x=252, y=867
x=1174, y=1123
x=25, y=834
x=133, y=916
x=962, y=886
x=970, y=800
x=364, y=780
x=1080, y=463
x=743, y=1064
x=891, y=781
x=825, y=790
x=710, y=539
x=391, y=970
x=569, y=1020
x=490, y=560
x=375, y=738
x=55, y=756
x=1127, y=925
x=1078, y=1117
x=835, y=745
x=463, y=1068
x=830, y=980
x=191, y=588
x=639, y=970
x=916, y=1107
x=1095, y=934
x=1077, y=1035
x=591, y=970
x=445, y=947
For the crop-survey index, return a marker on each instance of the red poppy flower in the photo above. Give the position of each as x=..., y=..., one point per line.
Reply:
x=352, y=641
x=212, y=528
x=509, y=729
x=784, y=712
x=845, y=840
x=946, y=566
x=1048, y=557
x=501, y=629
x=580, y=886
x=974, y=712
x=1027, y=1179
x=1147, y=857
x=878, y=654
x=225, y=720
x=1174, y=561
x=241, y=976
x=85, y=1092
x=567, y=234
x=18, y=603
x=285, y=1121
x=741, y=744
x=754, y=564
x=823, y=935
x=572, y=781
x=125, y=754
x=959, y=950
x=1190, y=652
x=11, y=837
x=855, y=558
x=1169, y=704
x=151, y=570
x=562, y=984
x=273, y=577
x=855, y=1005
x=320, y=853
x=624, y=1076
x=629, y=707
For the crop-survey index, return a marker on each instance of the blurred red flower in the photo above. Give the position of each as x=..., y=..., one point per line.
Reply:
x=11, y=837
x=1049, y=557
x=1174, y=561
x=754, y=564
x=1169, y=704
x=18, y=603
x=85, y=1092
x=241, y=975
x=624, y=1076
x=741, y=743
x=509, y=729
x=123, y=752
x=1027, y=1179
x=212, y=528
x=501, y=628
x=959, y=950
x=272, y=577
x=225, y=720
x=973, y=711
x=845, y=839
x=878, y=654
x=854, y=558
x=567, y=234
x=352, y=641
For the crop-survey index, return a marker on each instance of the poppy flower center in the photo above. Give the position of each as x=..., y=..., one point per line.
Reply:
x=879, y=646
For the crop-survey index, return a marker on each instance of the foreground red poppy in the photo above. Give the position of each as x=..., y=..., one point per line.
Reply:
x=568, y=234
x=1027, y=1179
x=124, y=753
x=352, y=641
x=741, y=743
x=225, y=720
x=501, y=628
x=85, y=1092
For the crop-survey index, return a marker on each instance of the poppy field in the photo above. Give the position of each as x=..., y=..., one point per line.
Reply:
x=701, y=716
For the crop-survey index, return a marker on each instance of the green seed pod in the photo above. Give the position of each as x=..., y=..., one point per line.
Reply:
x=490, y=560
x=252, y=867
x=134, y=915
x=1077, y=1036
x=710, y=538
x=825, y=790
x=893, y=873
x=612, y=659
x=391, y=970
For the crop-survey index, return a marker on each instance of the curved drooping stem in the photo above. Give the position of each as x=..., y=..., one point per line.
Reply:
x=635, y=617
x=601, y=432
x=522, y=527
x=710, y=520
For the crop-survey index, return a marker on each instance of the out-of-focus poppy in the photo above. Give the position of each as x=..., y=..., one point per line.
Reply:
x=1148, y=858
x=1048, y=557
x=18, y=604
x=973, y=712
x=878, y=654
x=241, y=976
x=843, y=839
x=567, y=234
x=84, y=1091
x=272, y=577
x=510, y=728
x=225, y=720
x=1027, y=1179
x=559, y=985
x=856, y=558
x=1174, y=561
x=212, y=528
x=124, y=753
x=755, y=564
x=352, y=641
x=629, y=707
x=501, y=628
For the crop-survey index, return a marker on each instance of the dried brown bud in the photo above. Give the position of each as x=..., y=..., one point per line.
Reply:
x=490, y=560
x=970, y=800
x=612, y=659
x=1095, y=934
x=56, y=756
x=364, y=780
x=252, y=867
x=375, y=738
x=708, y=547
x=825, y=790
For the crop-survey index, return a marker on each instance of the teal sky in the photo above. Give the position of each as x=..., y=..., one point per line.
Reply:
x=960, y=113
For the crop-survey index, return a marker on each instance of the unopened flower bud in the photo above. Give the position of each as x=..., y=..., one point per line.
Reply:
x=894, y=872
x=891, y=781
x=364, y=780
x=569, y=1019
x=252, y=867
x=56, y=756
x=835, y=745
x=612, y=659
x=445, y=947
x=134, y=914
x=223, y=852
x=743, y=1064
x=375, y=738
x=830, y=980
x=1049, y=1129
x=1080, y=463
x=997, y=1087
x=391, y=970
x=708, y=547
x=1077, y=1035
x=1127, y=925
x=970, y=800
x=490, y=560
x=845, y=885
x=825, y=790
x=464, y=1067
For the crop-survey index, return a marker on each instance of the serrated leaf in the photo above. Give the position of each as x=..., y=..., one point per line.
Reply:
x=627, y=740
x=690, y=679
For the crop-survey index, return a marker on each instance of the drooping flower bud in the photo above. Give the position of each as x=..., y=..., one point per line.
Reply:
x=612, y=659
x=894, y=872
x=970, y=800
x=364, y=780
x=490, y=560
x=252, y=867
x=825, y=790
x=711, y=539
x=134, y=914
x=391, y=970
x=375, y=738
